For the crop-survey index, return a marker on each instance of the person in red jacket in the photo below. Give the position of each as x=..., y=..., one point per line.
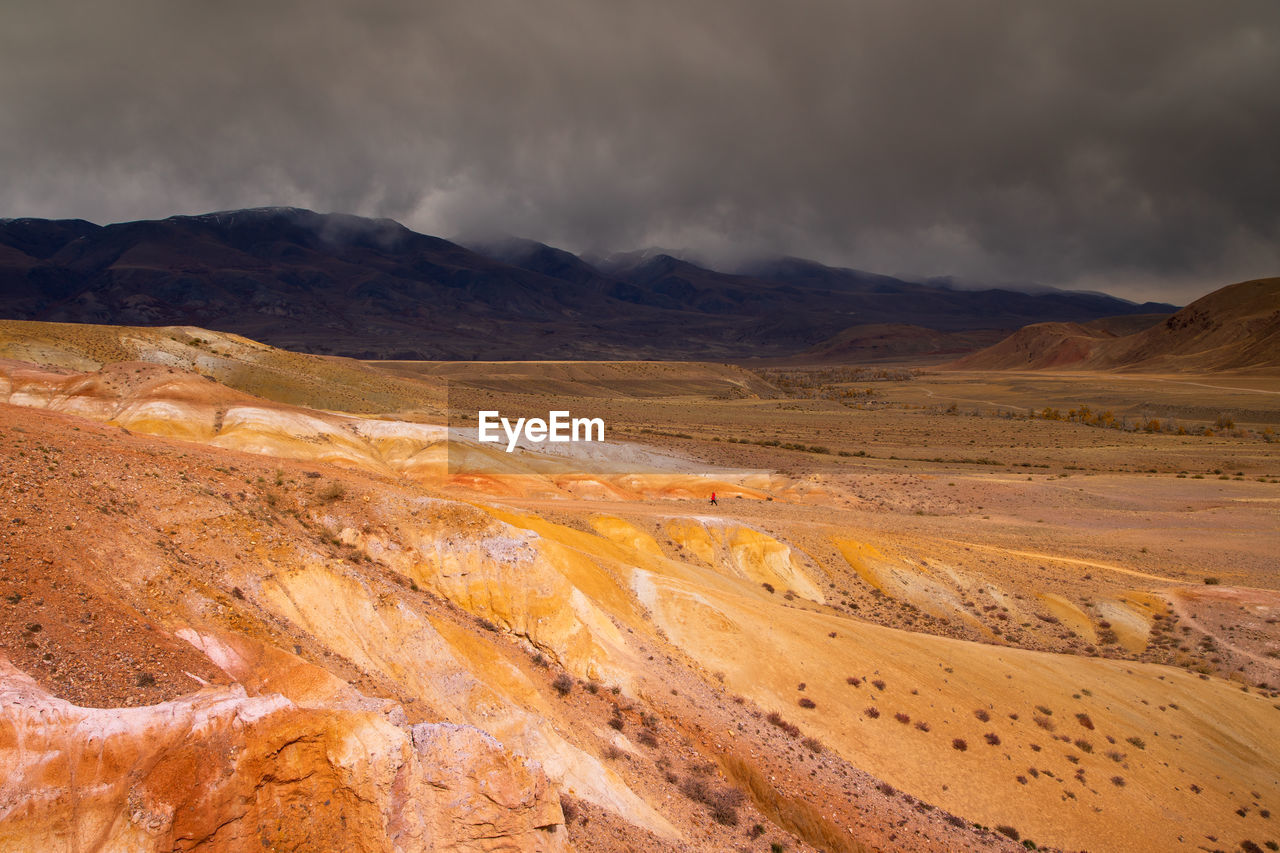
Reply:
x=713, y=500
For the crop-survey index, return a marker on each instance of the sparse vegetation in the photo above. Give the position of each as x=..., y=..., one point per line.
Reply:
x=332, y=491
x=723, y=803
x=775, y=719
x=569, y=807
x=1008, y=831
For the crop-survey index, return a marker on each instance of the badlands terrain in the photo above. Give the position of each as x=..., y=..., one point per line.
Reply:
x=252, y=599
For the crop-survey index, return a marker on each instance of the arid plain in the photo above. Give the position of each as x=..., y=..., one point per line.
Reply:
x=932, y=608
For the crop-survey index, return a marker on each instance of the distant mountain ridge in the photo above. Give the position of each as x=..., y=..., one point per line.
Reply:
x=348, y=285
x=1234, y=328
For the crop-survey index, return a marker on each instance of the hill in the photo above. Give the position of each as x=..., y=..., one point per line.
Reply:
x=371, y=288
x=896, y=342
x=227, y=618
x=1234, y=328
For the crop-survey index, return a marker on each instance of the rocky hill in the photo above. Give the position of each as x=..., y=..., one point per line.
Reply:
x=1234, y=328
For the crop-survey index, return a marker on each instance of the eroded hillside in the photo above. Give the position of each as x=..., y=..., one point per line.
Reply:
x=250, y=622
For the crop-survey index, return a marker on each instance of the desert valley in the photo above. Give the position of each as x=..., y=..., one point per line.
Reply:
x=1021, y=598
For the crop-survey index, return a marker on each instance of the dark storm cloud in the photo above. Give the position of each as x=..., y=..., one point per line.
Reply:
x=1122, y=145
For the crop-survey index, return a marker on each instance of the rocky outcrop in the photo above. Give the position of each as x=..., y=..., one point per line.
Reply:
x=220, y=770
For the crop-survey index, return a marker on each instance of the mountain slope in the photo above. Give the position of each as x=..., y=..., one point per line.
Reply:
x=1234, y=328
x=347, y=285
x=889, y=342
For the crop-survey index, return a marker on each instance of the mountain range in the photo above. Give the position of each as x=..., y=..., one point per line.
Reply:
x=347, y=285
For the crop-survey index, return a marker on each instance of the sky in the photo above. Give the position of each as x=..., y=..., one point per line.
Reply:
x=1129, y=146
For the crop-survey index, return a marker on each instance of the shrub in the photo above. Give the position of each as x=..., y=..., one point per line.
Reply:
x=1009, y=831
x=852, y=680
x=1118, y=781
x=959, y=744
x=616, y=723
x=563, y=683
x=902, y=718
x=982, y=714
x=1136, y=741
x=1212, y=581
x=722, y=802
x=775, y=719
x=873, y=712
x=992, y=738
x=812, y=744
x=569, y=807
x=334, y=491
x=1084, y=745
x=922, y=725
x=1084, y=720
x=878, y=684
x=146, y=679
x=1044, y=723
x=647, y=738
x=806, y=702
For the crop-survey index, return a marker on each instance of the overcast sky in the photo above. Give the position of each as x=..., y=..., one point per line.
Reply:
x=1123, y=145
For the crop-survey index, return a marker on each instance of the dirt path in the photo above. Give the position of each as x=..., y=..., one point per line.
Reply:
x=1075, y=561
x=975, y=400
x=1196, y=384
x=1182, y=613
